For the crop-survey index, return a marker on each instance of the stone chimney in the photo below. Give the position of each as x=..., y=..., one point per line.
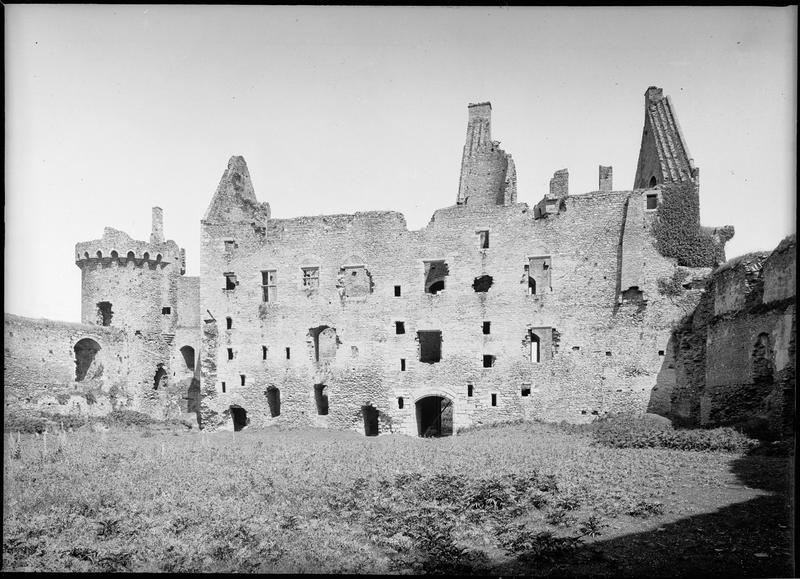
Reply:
x=157, y=234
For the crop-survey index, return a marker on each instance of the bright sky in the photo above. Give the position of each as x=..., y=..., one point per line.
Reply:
x=112, y=110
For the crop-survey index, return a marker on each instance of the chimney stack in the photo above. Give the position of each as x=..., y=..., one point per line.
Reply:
x=157, y=234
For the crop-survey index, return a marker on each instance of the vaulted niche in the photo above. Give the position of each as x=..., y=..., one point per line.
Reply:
x=188, y=357
x=538, y=273
x=321, y=399
x=435, y=274
x=356, y=281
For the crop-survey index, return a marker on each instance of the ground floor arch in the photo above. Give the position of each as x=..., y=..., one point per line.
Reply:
x=239, y=417
x=434, y=416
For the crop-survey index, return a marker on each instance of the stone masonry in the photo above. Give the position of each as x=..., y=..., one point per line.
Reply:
x=496, y=310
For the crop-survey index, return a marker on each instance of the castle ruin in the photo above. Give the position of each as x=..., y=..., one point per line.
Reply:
x=496, y=310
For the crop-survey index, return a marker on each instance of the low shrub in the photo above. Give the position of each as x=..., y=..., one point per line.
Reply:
x=631, y=431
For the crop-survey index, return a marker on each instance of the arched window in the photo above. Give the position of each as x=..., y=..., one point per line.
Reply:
x=160, y=377
x=653, y=181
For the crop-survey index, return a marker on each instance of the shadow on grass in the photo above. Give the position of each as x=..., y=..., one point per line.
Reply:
x=749, y=539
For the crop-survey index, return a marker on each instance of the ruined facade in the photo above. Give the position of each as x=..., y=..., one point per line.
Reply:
x=495, y=310
x=732, y=360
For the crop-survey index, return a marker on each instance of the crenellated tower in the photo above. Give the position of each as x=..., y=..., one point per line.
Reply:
x=130, y=283
x=488, y=176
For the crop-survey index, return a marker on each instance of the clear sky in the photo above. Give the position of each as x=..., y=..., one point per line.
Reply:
x=111, y=110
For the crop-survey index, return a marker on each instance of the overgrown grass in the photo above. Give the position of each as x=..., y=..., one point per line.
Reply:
x=321, y=501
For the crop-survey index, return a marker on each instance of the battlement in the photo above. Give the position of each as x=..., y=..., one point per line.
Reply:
x=118, y=247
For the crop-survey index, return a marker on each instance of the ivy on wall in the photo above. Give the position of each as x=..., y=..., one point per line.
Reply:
x=677, y=228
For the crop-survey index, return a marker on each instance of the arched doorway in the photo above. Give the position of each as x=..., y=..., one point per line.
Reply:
x=434, y=416
x=85, y=353
x=321, y=399
x=239, y=417
x=274, y=401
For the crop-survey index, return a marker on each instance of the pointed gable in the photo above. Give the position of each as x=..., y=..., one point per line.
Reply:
x=663, y=155
x=235, y=198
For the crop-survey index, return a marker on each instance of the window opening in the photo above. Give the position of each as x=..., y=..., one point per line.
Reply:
x=402, y=364
x=400, y=402
x=470, y=388
x=430, y=346
x=229, y=246
x=653, y=181
x=104, y=313
x=223, y=387
x=487, y=328
x=488, y=360
x=525, y=390
x=230, y=353
x=310, y=278
x=435, y=274
x=321, y=399
x=399, y=328
x=355, y=281
x=539, y=275
x=230, y=281
x=494, y=399
x=166, y=310
x=483, y=239
x=288, y=353
x=652, y=201
x=242, y=376
x=397, y=291
x=263, y=352
x=229, y=323
x=269, y=288
x=535, y=347
x=661, y=352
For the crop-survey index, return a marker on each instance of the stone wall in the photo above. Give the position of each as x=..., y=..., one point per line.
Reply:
x=735, y=354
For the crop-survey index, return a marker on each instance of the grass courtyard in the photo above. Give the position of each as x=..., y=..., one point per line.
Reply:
x=517, y=499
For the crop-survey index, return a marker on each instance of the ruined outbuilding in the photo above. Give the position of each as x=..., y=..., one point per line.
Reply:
x=496, y=310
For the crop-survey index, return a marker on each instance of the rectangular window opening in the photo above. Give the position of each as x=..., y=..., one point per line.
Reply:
x=652, y=201
x=310, y=277
x=526, y=389
x=229, y=246
x=230, y=281
x=430, y=346
x=397, y=291
x=288, y=353
x=229, y=323
x=242, y=376
x=487, y=327
x=608, y=353
x=483, y=239
x=230, y=353
x=269, y=286
x=470, y=388
x=494, y=399
x=166, y=310
x=263, y=352
x=223, y=387
x=661, y=352
x=104, y=313
x=400, y=402
x=488, y=360
x=402, y=364
x=399, y=327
